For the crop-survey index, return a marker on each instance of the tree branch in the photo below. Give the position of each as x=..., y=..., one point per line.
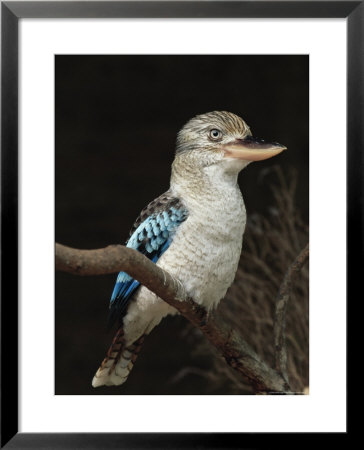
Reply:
x=236, y=351
x=279, y=328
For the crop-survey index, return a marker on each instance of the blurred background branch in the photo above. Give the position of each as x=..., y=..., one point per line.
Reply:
x=279, y=327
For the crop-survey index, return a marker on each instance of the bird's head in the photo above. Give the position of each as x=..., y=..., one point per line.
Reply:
x=221, y=138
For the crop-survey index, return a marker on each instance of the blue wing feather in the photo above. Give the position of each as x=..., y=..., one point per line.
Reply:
x=152, y=237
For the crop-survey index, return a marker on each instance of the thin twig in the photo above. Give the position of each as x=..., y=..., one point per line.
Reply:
x=279, y=329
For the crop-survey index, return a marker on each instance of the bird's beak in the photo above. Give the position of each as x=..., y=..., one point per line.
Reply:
x=252, y=149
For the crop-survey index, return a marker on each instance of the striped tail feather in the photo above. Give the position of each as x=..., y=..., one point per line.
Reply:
x=119, y=361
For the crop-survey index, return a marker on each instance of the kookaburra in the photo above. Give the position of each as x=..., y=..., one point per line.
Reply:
x=194, y=231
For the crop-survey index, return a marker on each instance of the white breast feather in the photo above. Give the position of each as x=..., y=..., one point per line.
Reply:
x=206, y=248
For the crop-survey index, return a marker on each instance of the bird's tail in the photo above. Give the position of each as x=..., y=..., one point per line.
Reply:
x=119, y=361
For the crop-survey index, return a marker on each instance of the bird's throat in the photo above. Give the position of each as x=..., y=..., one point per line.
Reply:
x=210, y=185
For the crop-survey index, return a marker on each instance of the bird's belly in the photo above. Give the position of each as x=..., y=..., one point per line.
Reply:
x=205, y=262
x=205, y=266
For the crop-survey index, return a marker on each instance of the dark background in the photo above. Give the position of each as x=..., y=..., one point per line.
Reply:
x=116, y=124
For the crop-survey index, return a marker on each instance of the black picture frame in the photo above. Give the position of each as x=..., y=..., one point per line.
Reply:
x=11, y=12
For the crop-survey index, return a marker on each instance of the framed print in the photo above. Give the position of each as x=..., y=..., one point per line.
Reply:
x=151, y=95
x=113, y=87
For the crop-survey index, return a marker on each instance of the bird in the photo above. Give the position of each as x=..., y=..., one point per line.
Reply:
x=194, y=231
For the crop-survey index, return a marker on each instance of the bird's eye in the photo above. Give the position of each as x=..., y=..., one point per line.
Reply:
x=215, y=135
